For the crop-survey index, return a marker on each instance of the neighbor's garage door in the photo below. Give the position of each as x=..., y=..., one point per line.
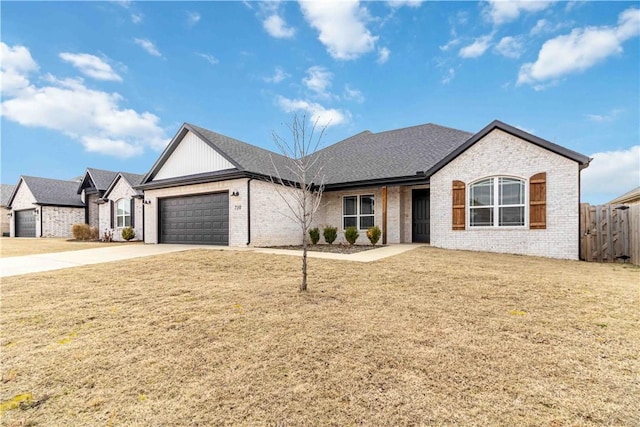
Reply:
x=25, y=223
x=201, y=219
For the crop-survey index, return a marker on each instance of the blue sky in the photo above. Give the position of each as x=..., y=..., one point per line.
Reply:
x=108, y=84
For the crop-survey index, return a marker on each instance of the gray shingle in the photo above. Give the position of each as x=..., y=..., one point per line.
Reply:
x=5, y=193
x=54, y=191
x=389, y=154
x=101, y=178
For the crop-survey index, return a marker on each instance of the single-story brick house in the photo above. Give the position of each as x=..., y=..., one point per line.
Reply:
x=92, y=187
x=43, y=207
x=500, y=189
x=5, y=193
x=122, y=206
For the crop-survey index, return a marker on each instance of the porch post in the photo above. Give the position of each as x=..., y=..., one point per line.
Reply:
x=384, y=215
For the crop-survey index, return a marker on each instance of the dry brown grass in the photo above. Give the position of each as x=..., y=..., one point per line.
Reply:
x=430, y=337
x=31, y=246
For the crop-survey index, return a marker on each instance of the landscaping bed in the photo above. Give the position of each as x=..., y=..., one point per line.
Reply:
x=335, y=248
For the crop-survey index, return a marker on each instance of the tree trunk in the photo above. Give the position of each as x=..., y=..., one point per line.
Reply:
x=303, y=285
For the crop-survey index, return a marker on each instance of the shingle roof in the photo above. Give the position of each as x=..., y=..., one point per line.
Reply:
x=101, y=179
x=53, y=191
x=390, y=154
x=5, y=193
x=248, y=157
x=133, y=179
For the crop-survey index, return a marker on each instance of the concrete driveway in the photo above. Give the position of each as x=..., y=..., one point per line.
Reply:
x=14, y=266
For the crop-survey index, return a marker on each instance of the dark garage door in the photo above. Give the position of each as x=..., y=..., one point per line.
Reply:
x=25, y=223
x=201, y=219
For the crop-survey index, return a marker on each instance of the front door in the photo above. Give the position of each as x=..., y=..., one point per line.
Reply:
x=421, y=214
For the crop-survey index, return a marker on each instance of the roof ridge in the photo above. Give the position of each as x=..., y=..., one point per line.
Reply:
x=422, y=125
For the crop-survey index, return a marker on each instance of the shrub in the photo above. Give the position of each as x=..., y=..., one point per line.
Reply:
x=330, y=234
x=81, y=231
x=128, y=233
x=314, y=234
x=107, y=236
x=373, y=234
x=94, y=234
x=351, y=234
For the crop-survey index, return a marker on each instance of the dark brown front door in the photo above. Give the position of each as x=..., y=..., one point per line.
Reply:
x=421, y=213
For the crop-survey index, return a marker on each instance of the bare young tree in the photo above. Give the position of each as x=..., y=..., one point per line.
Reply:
x=299, y=178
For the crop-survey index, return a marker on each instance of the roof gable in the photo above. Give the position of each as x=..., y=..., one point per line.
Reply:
x=582, y=160
x=191, y=156
x=51, y=192
x=132, y=179
x=98, y=179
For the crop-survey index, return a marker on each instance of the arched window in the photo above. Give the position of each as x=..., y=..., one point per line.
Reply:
x=123, y=213
x=497, y=202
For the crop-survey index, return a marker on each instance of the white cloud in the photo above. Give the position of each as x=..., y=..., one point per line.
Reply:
x=342, y=27
x=318, y=80
x=610, y=174
x=451, y=43
x=277, y=76
x=148, y=46
x=542, y=26
x=93, y=117
x=16, y=64
x=399, y=3
x=277, y=27
x=502, y=11
x=210, y=58
x=581, y=49
x=193, y=18
x=608, y=117
x=477, y=48
x=383, y=55
x=451, y=73
x=318, y=113
x=91, y=65
x=136, y=18
x=353, y=94
x=511, y=47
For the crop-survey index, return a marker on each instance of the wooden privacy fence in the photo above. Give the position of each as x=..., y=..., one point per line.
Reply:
x=610, y=233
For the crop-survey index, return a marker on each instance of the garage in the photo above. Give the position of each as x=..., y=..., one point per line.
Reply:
x=199, y=219
x=25, y=223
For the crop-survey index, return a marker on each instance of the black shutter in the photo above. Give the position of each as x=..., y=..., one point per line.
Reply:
x=133, y=213
x=113, y=212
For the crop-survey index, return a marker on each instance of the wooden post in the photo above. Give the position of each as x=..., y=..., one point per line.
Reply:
x=384, y=215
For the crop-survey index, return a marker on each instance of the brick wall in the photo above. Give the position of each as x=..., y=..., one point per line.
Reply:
x=332, y=203
x=94, y=209
x=57, y=220
x=122, y=190
x=500, y=153
x=5, y=223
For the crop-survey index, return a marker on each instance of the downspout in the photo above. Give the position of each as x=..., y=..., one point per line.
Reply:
x=41, y=208
x=143, y=215
x=249, y=211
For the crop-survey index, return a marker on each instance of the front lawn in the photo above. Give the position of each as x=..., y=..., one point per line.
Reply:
x=32, y=246
x=429, y=337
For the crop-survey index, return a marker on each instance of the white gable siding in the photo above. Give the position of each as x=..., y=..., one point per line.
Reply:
x=500, y=153
x=192, y=156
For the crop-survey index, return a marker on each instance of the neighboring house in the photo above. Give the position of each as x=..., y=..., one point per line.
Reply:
x=92, y=187
x=499, y=190
x=630, y=198
x=42, y=207
x=5, y=194
x=121, y=206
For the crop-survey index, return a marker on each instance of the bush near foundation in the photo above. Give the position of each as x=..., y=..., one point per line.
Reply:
x=314, y=235
x=351, y=235
x=128, y=233
x=373, y=234
x=81, y=231
x=330, y=234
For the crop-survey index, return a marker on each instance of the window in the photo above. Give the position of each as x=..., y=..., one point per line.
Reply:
x=497, y=202
x=358, y=211
x=123, y=213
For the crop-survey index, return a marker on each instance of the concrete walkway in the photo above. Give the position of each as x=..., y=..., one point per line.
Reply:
x=14, y=266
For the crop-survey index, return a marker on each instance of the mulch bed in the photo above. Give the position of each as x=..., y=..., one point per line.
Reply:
x=336, y=248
